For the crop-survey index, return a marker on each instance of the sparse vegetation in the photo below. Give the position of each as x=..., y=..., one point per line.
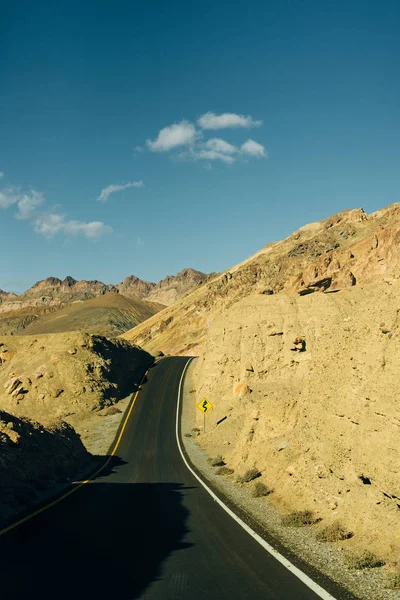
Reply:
x=334, y=533
x=218, y=461
x=395, y=583
x=299, y=519
x=368, y=560
x=224, y=471
x=260, y=490
x=249, y=476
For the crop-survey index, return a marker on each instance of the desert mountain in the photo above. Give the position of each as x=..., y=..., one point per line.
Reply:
x=167, y=291
x=67, y=290
x=52, y=294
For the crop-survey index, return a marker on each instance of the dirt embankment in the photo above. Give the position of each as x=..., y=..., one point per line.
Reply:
x=69, y=374
x=307, y=386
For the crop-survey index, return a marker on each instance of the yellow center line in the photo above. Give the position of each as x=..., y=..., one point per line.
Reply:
x=92, y=476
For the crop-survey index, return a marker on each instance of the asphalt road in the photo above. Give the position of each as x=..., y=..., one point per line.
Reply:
x=144, y=528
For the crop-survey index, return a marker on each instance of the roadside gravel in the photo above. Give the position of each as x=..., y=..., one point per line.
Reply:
x=296, y=543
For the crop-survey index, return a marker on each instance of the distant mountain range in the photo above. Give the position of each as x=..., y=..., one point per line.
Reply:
x=120, y=307
x=54, y=292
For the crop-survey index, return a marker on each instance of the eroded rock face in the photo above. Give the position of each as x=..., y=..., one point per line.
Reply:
x=328, y=418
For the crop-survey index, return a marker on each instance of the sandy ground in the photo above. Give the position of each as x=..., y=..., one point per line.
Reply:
x=368, y=584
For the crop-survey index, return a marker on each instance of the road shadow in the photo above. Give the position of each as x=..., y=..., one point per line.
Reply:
x=108, y=539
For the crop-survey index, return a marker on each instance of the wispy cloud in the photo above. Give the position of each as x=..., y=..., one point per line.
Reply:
x=9, y=195
x=28, y=203
x=212, y=121
x=139, y=241
x=178, y=134
x=115, y=187
x=216, y=149
x=1, y=174
x=48, y=223
x=253, y=148
x=92, y=230
x=220, y=150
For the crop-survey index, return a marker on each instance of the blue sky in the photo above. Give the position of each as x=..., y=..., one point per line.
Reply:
x=163, y=98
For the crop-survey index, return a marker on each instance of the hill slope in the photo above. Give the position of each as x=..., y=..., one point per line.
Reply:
x=344, y=250
x=108, y=315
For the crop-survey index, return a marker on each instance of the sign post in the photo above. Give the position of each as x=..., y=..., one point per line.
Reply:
x=204, y=406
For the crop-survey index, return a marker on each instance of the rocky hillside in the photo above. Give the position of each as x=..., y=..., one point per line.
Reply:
x=345, y=250
x=107, y=315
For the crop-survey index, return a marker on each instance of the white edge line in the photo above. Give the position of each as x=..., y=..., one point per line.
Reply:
x=317, y=589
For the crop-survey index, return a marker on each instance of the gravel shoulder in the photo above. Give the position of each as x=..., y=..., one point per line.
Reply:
x=298, y=544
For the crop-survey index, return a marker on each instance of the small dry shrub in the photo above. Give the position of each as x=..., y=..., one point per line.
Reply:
x=395, y=583
x=224, y=471
x=368, y=560
x=334, y=533
x=188, y=435
x=260, y=489
x=218, y=461
x=112, y=410
x=299, y=519
x=249, y=476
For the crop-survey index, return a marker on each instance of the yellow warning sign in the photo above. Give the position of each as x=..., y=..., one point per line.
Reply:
x=205, y=406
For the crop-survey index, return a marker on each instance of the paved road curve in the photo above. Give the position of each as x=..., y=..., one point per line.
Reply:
x=144, y=528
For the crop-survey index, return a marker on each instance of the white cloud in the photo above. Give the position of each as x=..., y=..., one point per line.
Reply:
x=178, y=134
x=253, y=148
x=221, y=146
x=48, y=225
x=1, y=174
x=92, y=230
x=212, y=121
x=189, y=144
x=215, y=149
x=115, y=187
x=139, y=241
x=9, y=195
x=28, y=203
